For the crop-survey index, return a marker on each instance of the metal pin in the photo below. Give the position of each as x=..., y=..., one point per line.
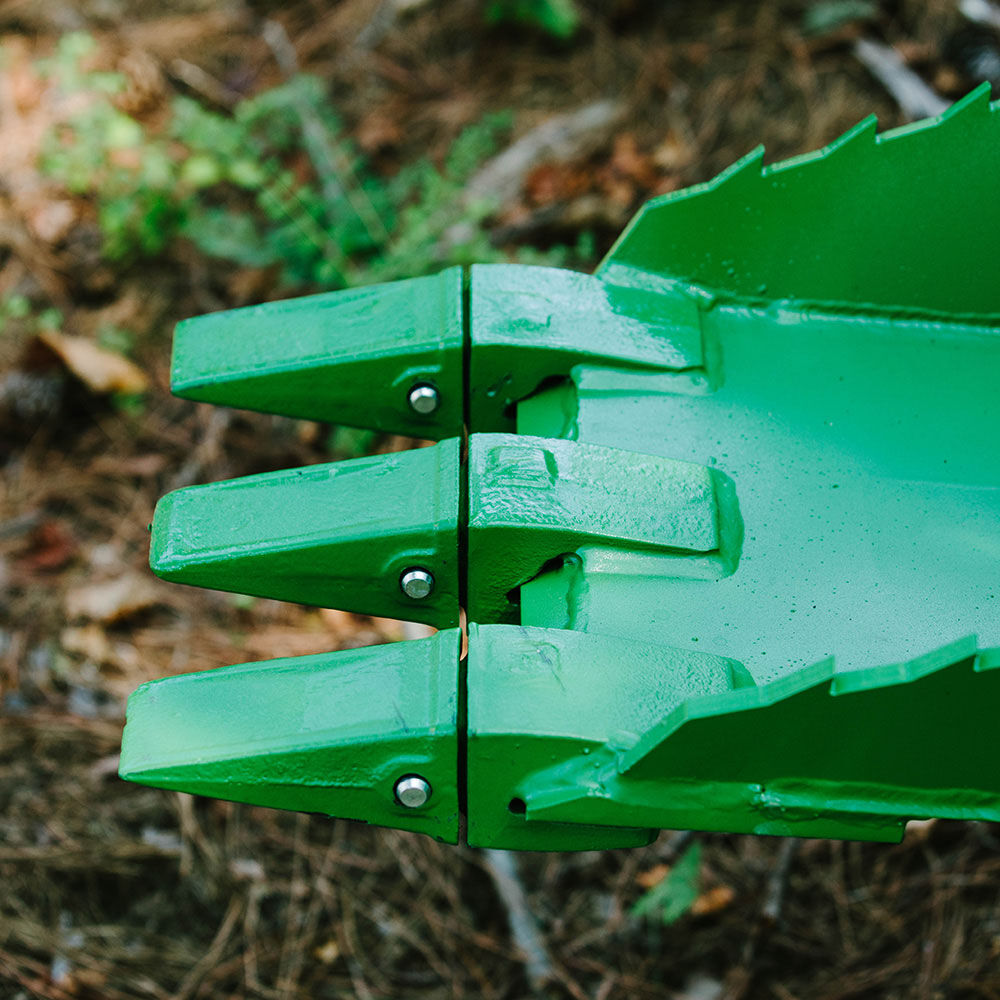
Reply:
x=417, y=583
x=413, y=791
x=424, y=399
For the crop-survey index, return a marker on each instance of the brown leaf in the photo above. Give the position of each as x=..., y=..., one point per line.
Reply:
x=628, y=161
x=653, y=876
x=51, y=547
x=713, y=900
x=140, y=466
x=378, y=131
x=328, y=953
x=112, y=600
x=94, y=644
x=284, y=640
x=102, y=371
x=673, y=153
x=555, y=182
x=51, y=219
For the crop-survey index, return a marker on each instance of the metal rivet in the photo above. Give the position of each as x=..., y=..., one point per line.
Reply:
x=417, y=583
x=424, y=399
x=413, y=791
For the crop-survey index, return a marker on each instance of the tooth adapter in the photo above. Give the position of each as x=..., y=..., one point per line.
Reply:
x=726, y=527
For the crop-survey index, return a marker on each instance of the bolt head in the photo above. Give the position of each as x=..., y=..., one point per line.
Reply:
x=424, y=399
x=413, y=791
x=417, y=583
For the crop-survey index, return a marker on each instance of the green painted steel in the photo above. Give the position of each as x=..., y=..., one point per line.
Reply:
x=814, y=754
x=533, y=499
x=348, y=357
x=338, y=535
x=540, y=696
x=907, y=220
x=331, y=733
x=530, y=326
x=866, y=462
x=727, y=527
x=658, y=736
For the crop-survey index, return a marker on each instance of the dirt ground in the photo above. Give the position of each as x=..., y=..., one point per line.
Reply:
x=115, y=891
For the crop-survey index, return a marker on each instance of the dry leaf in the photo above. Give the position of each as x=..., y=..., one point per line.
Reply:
x=628, y=161
x=119, y=654
x=51, y=219
x=114, y=599
x=328, y=953
x=378, y=131
x=94, y=644
x=713, y=900
x=89, y=641
x=339, y=623
x=99, y=369
x=285, y=640
x=673, y=153
x=388, y=628
x=52, y=546
x=920, y=829
x=140, y=466
x=654, y=876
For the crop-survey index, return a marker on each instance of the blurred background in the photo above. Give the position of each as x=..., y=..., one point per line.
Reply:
x=160, y=160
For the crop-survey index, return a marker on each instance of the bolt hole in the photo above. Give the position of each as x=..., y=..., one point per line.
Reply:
x=517, y=806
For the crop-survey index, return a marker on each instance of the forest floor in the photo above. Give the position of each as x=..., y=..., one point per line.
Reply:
x=115, y=891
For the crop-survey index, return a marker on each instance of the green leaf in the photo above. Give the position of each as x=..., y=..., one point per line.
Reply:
x=673, y=895
x=201, y=170
x=229, y=235
x=828, y=15
x=558, y=18
x=122, y=132
x=16, y=306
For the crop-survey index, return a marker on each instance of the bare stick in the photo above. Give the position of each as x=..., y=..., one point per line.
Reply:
x=915, y=98
x=560, y=138
x=523, y=926
x=779, y=880
x=383, y=21
x=981, y=12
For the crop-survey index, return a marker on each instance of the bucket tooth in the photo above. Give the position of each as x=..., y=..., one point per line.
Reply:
x=333, y=733
x=339, y=535
x=351, y=357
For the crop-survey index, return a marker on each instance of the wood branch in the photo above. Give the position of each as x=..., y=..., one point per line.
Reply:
x=915, y=98
x=523, y=927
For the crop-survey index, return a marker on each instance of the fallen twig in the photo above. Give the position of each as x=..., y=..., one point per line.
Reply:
x=206, y=452
x=740, y=978
x=523, y=927
x=383, y=21
x=215, y=951
x=559, y=139
x=915, y=98
x=981, y=12
x=778, y=881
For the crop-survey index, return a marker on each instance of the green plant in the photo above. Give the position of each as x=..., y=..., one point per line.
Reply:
x=13, y=307
x=558, y=18
x=275, y=183
x=676, y=892
x=19, y=309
